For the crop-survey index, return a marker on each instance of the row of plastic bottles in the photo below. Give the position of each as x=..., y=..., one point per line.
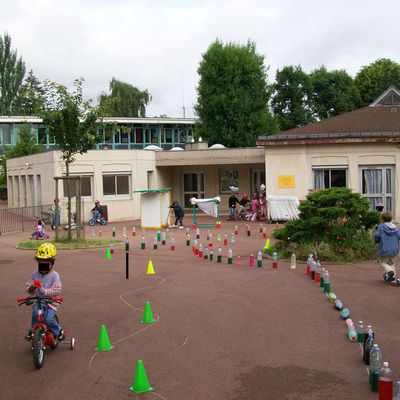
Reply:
x=318, y=273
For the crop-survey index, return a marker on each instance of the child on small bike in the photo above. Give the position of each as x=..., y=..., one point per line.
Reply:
x=46, y=282
x=40, y=230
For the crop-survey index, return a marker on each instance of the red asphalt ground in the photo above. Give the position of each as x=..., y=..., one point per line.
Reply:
x=221, y=332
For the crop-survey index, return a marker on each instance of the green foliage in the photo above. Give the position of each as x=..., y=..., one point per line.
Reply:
x=291, y=98
x=373, y=79
x=71, y=119
x=233, y=95
x=12, y=71
x=335, y=223
x=124, y=100
x=333, y=93
x=31, y=96
x=25, y=145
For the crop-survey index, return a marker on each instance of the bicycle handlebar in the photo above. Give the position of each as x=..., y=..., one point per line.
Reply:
x=48, y=299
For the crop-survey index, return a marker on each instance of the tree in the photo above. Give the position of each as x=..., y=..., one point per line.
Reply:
x=333, y=93
x=72, y=121
x=334, y=223
x=375, y=78
x=291, y=98
x=12, y=71
x=233, y=95
x=31, y=96
x=25, y=145
x=124, y=100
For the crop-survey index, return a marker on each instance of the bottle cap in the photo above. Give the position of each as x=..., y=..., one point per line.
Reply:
x=385, y=364
x=360, y=322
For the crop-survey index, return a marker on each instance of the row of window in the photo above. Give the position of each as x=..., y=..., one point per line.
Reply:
x=376, y=183
x=108, y=135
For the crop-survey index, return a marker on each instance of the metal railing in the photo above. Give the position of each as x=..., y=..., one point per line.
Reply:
x=23, y=218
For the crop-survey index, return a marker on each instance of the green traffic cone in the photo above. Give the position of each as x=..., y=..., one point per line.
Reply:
x=108, y=254
x=104, y=342
x=147, y=317
x=141, y=383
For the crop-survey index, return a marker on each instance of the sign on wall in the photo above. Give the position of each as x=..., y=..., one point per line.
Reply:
x=286, y=181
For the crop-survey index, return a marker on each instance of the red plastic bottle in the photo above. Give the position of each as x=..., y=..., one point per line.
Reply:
x=385, y=383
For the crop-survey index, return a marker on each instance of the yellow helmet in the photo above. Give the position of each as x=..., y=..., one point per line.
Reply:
x=46, y=251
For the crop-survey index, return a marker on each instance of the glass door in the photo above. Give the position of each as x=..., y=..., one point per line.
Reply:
x=257, y=179
x=193, y=186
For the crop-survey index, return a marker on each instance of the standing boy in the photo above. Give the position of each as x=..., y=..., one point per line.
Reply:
x=388, y=236
x=179, y=214
x=232, y=201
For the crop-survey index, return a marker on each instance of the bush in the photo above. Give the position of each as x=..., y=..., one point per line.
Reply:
x=334, y=223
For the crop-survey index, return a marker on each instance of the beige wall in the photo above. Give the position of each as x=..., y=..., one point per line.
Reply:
x=299, y=160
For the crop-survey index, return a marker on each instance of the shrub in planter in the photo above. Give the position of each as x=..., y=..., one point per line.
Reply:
x=334, y=223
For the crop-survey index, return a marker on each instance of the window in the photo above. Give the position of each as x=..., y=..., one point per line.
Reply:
x=86, y=186
x=193, y=186
x=377, y=186
x=325, y=178
x=116, y=185
x=228, y=178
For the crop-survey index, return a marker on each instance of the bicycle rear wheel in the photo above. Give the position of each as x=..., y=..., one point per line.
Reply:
x=38, y=348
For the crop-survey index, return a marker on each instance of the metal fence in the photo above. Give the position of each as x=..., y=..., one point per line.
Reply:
x=23, y=218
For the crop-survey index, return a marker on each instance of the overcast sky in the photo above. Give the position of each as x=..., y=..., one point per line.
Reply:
x=157, y=44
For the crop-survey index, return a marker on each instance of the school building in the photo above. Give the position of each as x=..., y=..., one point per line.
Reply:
x=358, y=149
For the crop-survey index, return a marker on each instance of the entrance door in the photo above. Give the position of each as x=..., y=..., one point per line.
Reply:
x=257, y=179
x=377, y=185
x=193, y=186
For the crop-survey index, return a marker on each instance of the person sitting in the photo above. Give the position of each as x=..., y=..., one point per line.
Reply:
x=40, y=230
x=243, y=203
x=97, y=211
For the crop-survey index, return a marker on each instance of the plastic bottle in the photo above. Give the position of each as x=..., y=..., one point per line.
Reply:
x=338, y=305
x=375, y=365
x=218, y=237
x=396, y=391
x=251, y=260
x=274, y=260
x=236, y=230
x=188, y=239
x=351, y=331
x=366, y=335
x=195, y=247
x=124, y=231
x=206, y=253
x=201, y=253
x=155, y=243
x=238, y=260
x=158, y=236
x=327, y=282
x=225, y=240
x=197, y=233
x=210, y=241
x=385, y=383
x=133, y=231
x=187, y=230
x=313, y=266
x=321, y=277
x=318, y=273
x=208, y=234
x=172, y=244
x=259, y=259
x=360, y=332
x=113, y=231
x=219, y=255
x=248, y=231
x=293, y=261
x=232, y=238
x=230, y=256
x=143, y=243
x=93, y=232
x=261, y=228
x=211, y=255
x=163, y=237
x=368, y=347
x=264, y=232
x=308, y=270
x=111, y=248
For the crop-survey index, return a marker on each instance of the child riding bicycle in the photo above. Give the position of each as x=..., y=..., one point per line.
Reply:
x=46, y=282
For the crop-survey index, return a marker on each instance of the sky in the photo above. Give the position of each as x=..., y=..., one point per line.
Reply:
x=158, y=44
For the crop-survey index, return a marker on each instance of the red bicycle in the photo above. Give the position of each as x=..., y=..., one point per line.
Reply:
x=42, y=335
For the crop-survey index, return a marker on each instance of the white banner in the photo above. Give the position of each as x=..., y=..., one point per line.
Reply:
x=209, y=206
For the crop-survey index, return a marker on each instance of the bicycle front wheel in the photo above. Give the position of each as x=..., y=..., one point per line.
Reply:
x=38, y=348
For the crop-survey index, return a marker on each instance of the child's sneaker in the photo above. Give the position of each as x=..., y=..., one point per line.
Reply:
x=29, y=335
x=388, y=276
x=181, y=227
x=61, y=336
